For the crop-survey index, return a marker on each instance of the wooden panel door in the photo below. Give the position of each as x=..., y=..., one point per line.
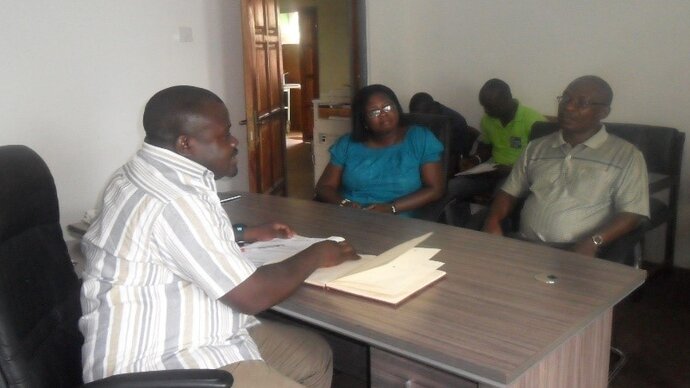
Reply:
x=266, y=119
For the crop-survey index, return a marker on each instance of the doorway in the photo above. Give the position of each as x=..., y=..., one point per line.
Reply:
x=301, y=68
x=321, y=64
x=301, y=86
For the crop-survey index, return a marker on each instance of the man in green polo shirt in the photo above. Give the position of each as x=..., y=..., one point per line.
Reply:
x=505, y=128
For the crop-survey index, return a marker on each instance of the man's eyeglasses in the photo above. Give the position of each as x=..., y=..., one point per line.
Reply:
x=579, y=102
x=377, y=112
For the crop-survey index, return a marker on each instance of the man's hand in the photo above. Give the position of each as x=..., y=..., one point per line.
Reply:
x=493, y=227
x=501, y=207
x=271, y=284
x=586, y=247
x=331, y=253
x=503, y=170
x=267, y=232
x=467, y=163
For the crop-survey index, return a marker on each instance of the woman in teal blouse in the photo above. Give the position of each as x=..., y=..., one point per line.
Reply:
x=384, y=165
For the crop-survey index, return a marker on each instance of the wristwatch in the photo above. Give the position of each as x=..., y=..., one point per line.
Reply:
x=598, y=240
x=393, y=209
x=238, y=230
x=345, y=202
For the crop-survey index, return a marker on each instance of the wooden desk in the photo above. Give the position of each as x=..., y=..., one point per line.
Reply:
x=488, y=323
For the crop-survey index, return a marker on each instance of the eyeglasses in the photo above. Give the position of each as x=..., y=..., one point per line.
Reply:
x=579, y=102
x=377, y=112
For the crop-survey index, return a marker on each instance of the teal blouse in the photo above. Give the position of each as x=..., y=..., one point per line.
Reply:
x=382, y=175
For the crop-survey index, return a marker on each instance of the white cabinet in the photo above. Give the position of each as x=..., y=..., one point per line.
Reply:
x=331, y=120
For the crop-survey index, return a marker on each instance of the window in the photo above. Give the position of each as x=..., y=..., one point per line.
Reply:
x=289, y=28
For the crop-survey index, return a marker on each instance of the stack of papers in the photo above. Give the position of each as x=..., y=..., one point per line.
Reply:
x=390, y=277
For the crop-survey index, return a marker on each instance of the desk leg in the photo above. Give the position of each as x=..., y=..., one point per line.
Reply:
x=582, y=361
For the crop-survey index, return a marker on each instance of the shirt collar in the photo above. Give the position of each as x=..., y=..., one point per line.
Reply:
x=177, y=162
x=593, y=142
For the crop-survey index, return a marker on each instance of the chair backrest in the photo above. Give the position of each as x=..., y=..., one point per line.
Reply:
x=40, y=344
x=662, y=147
x=440, y=126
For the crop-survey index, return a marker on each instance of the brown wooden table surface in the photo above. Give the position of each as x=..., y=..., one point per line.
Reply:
x=489, y=319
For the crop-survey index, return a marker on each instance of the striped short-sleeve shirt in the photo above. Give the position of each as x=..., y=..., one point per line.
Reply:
x=571, y=191
x=158, y=258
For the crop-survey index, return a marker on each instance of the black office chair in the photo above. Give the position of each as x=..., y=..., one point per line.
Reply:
x=662, y=148
x=40, y=343
x=440, y=126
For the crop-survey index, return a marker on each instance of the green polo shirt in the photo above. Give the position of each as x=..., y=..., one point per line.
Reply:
x=508, y=142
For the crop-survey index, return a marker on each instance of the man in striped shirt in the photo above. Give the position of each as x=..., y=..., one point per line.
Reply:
x=166, y=285
x=584, y=188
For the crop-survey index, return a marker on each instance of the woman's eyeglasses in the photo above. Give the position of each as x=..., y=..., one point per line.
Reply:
x=377, y=112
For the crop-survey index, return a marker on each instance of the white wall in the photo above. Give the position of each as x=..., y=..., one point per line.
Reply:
x=451, y=47
x=75, y=76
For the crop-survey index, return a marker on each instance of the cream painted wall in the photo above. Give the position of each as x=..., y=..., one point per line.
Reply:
x=334, y=41
x=77, y=73
x=451, y=47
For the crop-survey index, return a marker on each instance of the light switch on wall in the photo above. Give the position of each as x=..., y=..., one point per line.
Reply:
x=184, y=34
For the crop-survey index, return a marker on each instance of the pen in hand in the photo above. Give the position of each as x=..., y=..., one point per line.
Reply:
x=262, y=247
x=228, y=199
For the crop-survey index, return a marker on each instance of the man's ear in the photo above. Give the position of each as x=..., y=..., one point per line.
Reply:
x=604, y=112
x=182, y=146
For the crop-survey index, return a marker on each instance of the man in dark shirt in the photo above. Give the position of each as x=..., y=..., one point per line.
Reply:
x=463, y=137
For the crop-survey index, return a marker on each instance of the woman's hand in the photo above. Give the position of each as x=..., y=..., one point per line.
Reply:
x=351, y=204
x=380, y=207
x=267, y=232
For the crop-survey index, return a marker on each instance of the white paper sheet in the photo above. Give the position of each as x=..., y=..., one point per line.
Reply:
x=272, y=251
x=479, y=169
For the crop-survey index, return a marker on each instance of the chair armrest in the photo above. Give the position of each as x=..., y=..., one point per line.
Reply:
x=177, y=378
x=658, y=182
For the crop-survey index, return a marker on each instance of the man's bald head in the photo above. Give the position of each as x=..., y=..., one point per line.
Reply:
x=167, y=113
x=603, y=89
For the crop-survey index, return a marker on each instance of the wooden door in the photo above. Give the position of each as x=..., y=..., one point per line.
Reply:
x=266, y=119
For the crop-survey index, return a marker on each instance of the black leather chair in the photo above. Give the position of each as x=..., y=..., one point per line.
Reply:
x=440, y=126
x=40, y=343
x=662, y=148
